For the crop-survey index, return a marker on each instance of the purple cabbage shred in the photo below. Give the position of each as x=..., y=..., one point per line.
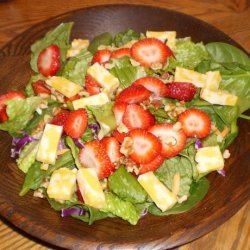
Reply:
x=69, y=211
x=222, y=172
x=95, y=129
x=78, y=142
x=198, y=144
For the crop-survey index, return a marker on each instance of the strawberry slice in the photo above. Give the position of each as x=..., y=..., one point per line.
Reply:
x=61, y=118
x=112, y=148
x=73, y=98
x=150, y=51
x=119, y=136
x=133, y=94
x=101, y=56
x=119, y=53
x=93, y=155
x=3, y=115
x=153, y=84
x=40, y=87
x=119, y=109
x=137, y=117
x=173, y=140
x=182, y=91
x=76, y=123
x=151, y=166
x=48, y=61
x=195, y=123
x=91, y=85
x=145, y=146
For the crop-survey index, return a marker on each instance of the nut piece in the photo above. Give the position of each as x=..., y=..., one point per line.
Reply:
x=226, y=154
x=126, y=147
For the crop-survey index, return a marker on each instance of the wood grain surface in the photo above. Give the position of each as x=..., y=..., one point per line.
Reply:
x=230, y=16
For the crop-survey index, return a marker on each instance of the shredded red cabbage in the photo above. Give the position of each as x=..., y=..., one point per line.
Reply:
x=69, y=211
x=95, y=129
x=222, y=172
x=78, y=142
x=144, y=212
x=61, y=145
x=198, y=144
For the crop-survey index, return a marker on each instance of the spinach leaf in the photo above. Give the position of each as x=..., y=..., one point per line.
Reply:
x=103, y=39
x=198, y=191
x=74, y=150
x=126, y=186
x=160, y=115
x=126, y=36
x=226, y=113
x=88, y=135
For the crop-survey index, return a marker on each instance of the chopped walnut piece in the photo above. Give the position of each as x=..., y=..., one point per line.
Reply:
x=126, y=147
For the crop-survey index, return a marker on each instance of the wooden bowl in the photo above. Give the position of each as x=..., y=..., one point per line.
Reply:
x=34, y=215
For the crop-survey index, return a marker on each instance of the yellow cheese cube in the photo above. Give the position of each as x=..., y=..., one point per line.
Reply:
x=213, y=80
x=186, y=75
x=90, y=188
x=47, y=150
x=220, y=97
x=162, y=197
x=98, y=99
x=62, y=184
x=109, y=82
x=170, y=36
x=209, y=159
x=76, y=46
x=63, y=85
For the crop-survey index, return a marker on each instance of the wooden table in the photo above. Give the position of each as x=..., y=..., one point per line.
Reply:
x=231, y=16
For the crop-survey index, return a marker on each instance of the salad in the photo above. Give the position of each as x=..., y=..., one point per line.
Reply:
x=125, y=125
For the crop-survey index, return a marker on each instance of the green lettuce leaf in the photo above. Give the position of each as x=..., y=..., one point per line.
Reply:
x=27, y=156
x=88, y=135
x=126, y=36
x=59, y=36
x=102, y=39
x=74, y=150
x=76, y=67
x=126, y=186
x=20, y=112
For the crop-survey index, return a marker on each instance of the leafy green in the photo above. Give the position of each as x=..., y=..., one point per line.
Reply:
x=160, y=115
x=210, y=140
x=28, y=88
x=227, y=113
x=103, y=39
x=126, y=36
x=59, y=36
x=198, y=191
x=124, y=209
x=76, y=67
x=20, y=112
x=88, y=135
x=27, y=156
x=126, y=186
x=74, y=150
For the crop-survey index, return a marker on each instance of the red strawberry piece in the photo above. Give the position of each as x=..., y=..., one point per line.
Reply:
x=120, y=53
x=101, y=56
x=119, y=109
x=91, y=85
x=145, y=146
x=73, y=98
x=136, y=116
x=93, y=155
x=153, y=84
x=195, y=123
x=119, y=136
x=61, y=118
x=40, y=87
x=133, y=94
x=151, y=166
x=112, y=148
x=76, y=123
x=182, y=91
x=48, y=61
x=150, y=51
x=78, y=194
x=173, y=140
x=3, y=115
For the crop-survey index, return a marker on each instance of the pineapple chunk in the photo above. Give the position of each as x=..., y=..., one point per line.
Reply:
x=76, y=46
x=209, y=159
x=63, y=85
x=90, y=188
x=170, y=36
x=62, y=184
x=98, y=99
x=213, y=80
x=47, y=150
x=220, y=97
x=162, y=197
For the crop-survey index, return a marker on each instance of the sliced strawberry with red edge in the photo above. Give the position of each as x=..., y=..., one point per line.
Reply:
x=91, y=85
x=151, y=166
x=76, y=123
x=3, y=115
x=48, y=61
x=145, y=146
x=93, y=155
x=136, y=116
x=112, y=148
x=195, y=123
x=101, y=56
x=78, y=194
x=182, y=91
x=119, y=109
x=150, y=51
x=119, y=53
x=133, y=94
x=153, y=84
x=119, y=136
x=40, y=87
x=173, y=140
x=61, y=117
x=73, y=98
